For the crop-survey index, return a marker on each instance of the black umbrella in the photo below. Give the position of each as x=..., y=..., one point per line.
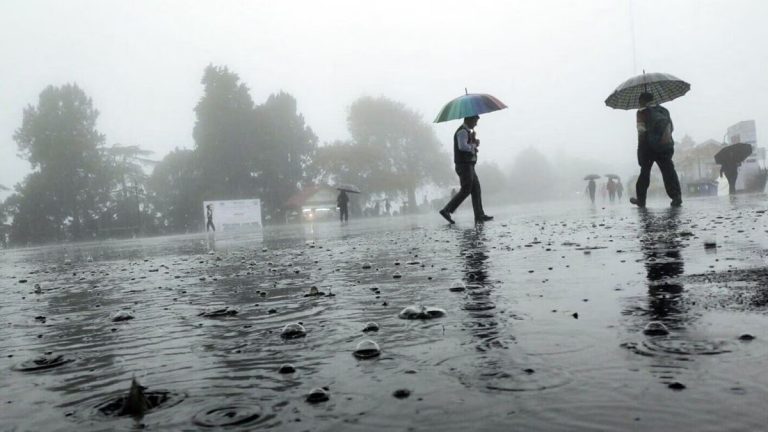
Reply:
x=592, y=177
x=348, y=188
x=613, y=176
x=733, y=154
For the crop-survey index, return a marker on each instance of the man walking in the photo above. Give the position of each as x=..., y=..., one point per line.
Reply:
x=465, y=146
x=209, y=218
x=591, y=188
x=655, y=145
x=342, y=201
x=611, y=186
x=731, y=171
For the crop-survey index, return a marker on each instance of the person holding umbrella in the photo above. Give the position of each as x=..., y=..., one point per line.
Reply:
x=655, y=145
x=619, y=189
x=730, y=159
x=611, y=186
x=465, y=144
x=654, y=128
x=342, y=201
x=591, y=186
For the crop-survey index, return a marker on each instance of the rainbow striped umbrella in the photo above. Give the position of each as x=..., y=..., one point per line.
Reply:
x=469, y=105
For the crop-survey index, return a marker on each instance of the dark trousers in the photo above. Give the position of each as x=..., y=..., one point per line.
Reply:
x=209, y=226
x=646, y=158
x=343, y=213
x=731, y=173
x=470, y=185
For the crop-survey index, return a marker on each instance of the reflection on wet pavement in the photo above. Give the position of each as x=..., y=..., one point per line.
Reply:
x=537, y=321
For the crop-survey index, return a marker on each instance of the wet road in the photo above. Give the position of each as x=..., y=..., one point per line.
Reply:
x=545, y=311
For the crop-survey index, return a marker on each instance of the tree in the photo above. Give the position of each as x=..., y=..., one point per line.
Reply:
x=399, y=150
x=175, y=192
x=60, y=140
x=224, y=136
x=121, y=205
x=285, y=148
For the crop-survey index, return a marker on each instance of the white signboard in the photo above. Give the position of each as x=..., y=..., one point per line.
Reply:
x=743, y=132
x=232, y=214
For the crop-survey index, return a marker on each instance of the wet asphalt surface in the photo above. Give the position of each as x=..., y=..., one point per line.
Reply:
x=548, y=318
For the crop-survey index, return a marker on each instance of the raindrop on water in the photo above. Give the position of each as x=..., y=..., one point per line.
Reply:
x=655, y=328
x=293, y=331
x=367, y=349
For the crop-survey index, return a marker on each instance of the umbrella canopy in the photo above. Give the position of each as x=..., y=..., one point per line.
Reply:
x=348, y=188
x=469, y=105
x=664, y=87
x=733, y=154
x=592, y=177
x=613, y=176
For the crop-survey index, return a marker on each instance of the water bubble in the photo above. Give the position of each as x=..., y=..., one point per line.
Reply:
x=314, y=292
x=457, y=286
x=401, y=393
x=293, y=331
x=366, y=265
x=371, y=327
x=746, y=337
x=396, y=275
x=286, y=368
x=676, y=386
x=367, y=349
x=414, y=313
x=318, y=395
x=655, y=328
x=122, y=315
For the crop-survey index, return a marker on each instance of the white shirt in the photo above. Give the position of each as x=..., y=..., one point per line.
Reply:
x=462, y=139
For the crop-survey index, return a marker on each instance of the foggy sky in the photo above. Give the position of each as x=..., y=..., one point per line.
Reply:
x=552, y=62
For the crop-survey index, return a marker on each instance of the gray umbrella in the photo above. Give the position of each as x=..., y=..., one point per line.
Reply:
x=664, y=87
x=591, y=177
x=348, y=188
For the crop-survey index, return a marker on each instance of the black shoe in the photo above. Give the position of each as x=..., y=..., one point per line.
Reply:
x=636, y=202
x=484, y=218
x=677, y=202
x=444, y=213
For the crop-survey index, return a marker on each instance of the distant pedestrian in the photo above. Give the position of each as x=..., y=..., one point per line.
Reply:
x=731, y=171
x=591, y=188
x=342, y=201
x=619, y=189
x=655, y=145
x=465, y=144
x=209, y=218
x=611, y=186
x=387, y=207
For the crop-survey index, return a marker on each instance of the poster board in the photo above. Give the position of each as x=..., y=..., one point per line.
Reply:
x=743, y=132
x=230, y=215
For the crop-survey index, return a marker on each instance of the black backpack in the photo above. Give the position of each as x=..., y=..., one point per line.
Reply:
x=659, y=129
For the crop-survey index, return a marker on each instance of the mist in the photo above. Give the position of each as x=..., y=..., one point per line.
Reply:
x=553, y=63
